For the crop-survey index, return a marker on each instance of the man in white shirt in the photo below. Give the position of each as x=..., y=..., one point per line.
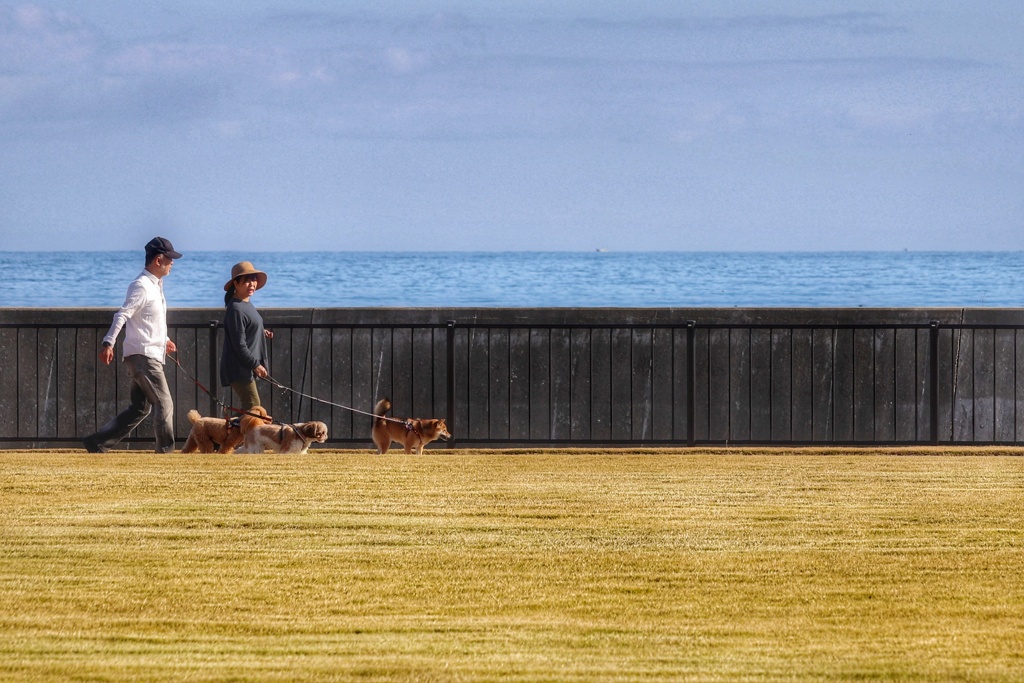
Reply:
x=144, y=319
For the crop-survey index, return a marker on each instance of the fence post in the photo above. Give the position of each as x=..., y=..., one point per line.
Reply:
x=933, y=379
x=691, y=373
x=213, y=366
x=450, y=416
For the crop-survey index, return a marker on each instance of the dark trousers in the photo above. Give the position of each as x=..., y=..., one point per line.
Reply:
x=149, y=392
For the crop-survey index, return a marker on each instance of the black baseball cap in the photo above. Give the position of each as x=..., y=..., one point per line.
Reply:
x=161, y=245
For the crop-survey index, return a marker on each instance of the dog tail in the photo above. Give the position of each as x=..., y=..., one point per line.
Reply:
x=194, y=416
x=382, y=407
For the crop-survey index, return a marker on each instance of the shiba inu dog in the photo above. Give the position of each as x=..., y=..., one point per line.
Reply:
x=410, y=433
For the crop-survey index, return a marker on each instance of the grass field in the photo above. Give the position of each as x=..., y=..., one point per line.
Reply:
x=561, y=566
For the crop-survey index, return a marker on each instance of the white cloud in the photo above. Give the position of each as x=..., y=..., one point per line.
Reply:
x=403, y=60
x=449, y=75
x=645, y=115
x=34, y=39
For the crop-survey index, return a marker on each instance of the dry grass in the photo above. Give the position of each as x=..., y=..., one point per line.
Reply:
x=580, y=566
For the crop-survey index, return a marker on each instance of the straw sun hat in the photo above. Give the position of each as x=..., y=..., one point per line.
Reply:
x=245, y=268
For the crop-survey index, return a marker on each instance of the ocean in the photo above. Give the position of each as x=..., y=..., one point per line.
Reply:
x=533, y=279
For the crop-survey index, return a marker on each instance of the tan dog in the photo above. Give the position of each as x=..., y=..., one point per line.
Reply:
x=409, y=433
x=217, y=434
x=282, y=438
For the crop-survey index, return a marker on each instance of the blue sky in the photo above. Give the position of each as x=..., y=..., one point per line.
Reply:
x=452, y=126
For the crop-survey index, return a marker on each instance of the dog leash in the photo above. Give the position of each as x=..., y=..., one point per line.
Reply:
x=216, y=400
x=270, y=380
x=274, y=382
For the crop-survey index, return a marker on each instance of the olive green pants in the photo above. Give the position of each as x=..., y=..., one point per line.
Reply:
x=246, y=393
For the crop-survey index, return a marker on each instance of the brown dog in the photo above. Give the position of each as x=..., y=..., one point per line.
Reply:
x=409, y=433
x=282, y=438
x=217, y=434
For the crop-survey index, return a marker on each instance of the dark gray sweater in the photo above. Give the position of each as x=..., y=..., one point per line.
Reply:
x=244, y=344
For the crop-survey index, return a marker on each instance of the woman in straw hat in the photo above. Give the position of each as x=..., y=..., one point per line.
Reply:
x=244, y=355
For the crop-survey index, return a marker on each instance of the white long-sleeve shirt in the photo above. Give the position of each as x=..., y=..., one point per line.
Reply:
x=144, y=317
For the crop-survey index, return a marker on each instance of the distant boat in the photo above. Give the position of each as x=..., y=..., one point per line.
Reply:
x=601, y=250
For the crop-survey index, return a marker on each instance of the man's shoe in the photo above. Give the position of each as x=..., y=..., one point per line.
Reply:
x=90, y=445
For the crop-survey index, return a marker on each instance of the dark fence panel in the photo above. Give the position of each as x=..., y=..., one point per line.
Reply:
x=545, y=377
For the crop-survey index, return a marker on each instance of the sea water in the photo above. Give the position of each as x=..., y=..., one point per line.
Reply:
x=533, y=279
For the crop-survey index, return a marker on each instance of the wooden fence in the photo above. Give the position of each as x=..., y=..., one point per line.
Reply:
x=559, y=377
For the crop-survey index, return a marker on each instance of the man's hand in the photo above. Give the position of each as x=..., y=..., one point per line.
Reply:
x=106, y=354
x=171, y=348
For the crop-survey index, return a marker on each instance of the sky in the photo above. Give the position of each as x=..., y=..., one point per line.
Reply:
x=411, y=125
